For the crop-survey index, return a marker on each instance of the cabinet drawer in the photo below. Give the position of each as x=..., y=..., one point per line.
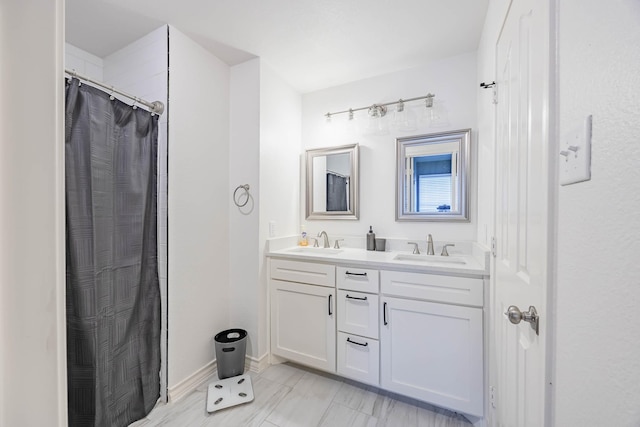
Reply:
x=433, y=287
x=303, y=272
x=358, y=313
x=359, y=358
x=357, y=279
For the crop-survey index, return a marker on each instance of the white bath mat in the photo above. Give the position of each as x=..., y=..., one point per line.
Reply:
x=229, y=392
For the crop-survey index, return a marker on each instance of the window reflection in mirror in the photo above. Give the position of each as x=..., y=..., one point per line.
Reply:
x=431, y=179
x=332, y=183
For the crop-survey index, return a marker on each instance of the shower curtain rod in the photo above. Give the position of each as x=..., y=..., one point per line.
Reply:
x=338, y=174
x=156, y=107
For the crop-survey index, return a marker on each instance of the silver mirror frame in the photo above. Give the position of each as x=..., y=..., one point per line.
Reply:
x=461, y=215
x=353, y=188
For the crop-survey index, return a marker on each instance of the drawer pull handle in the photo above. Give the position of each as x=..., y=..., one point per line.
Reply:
x=384, y=313
x=356, y=274
x=357, y=343
x=358, y=298
x=330, y=311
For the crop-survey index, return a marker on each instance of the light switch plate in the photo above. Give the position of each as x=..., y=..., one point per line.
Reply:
x=575, y=154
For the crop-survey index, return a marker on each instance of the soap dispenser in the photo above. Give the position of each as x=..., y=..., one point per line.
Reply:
x=371, y=239
x=303, y=236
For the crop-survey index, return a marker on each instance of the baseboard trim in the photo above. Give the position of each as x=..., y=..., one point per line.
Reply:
x=257, y=364
x=192, y=382
x=202, y=375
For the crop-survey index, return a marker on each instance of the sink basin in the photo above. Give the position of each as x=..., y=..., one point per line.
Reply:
x=315, y=251
x=430, y=259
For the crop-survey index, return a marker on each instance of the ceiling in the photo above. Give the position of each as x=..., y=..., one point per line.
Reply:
x=312, y=44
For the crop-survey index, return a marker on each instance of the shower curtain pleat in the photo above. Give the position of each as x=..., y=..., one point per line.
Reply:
x=336, y=193
x=113, y=294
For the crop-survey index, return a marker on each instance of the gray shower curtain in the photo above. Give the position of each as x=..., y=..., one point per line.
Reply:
x=113, y=295
x=336, y=193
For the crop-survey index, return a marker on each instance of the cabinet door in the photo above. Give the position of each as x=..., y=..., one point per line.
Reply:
x=433, y=352
x=358, y=313
x=359, y=358
x=303, y=326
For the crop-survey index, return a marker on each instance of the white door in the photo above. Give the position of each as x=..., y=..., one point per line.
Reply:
x=520, y=272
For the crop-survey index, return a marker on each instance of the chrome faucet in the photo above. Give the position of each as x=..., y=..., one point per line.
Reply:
x=445, y=252
x=430, y=250
x=416, y=251
x=325, y=243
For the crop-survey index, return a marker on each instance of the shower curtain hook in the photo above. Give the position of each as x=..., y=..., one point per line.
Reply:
x=135, y=101
x=111, y=97
x=72, y=75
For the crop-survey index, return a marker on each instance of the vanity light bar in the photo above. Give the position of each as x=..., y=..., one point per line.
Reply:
x=380, y=110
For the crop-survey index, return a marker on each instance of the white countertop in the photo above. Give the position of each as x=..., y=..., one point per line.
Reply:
x=473, y=264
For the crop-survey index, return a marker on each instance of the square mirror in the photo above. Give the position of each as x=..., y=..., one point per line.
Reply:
x=432, y=177
x=332, y=183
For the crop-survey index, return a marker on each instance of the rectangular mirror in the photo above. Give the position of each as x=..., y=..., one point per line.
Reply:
x=432, y=177
x=332, y=183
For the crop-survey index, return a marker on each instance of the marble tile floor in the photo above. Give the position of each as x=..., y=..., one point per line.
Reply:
x=288, y=395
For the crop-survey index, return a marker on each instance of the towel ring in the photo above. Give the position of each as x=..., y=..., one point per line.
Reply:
x=236, y=200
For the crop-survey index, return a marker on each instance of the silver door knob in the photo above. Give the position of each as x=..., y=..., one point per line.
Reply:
x=515, y=316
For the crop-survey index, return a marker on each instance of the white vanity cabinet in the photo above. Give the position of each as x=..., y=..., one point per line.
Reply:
x=432, y=339
x=415, y=331
x=357, y=341
x=303, y=325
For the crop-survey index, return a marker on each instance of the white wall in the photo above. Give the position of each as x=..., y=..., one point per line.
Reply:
x=244, y=152
x=453, y=80
x=264, y=152
x=280, y=114
x=140, y=69
x=32, y=280
x=76, y=59
x=198, y=205
x=598, y=344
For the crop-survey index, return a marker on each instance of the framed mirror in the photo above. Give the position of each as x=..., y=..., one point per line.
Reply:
x=432, y=177
x=332, y=182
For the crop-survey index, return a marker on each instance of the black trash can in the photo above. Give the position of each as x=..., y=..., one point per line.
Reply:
x=231, y=347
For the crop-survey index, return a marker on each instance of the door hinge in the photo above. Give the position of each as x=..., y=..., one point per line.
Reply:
x=493, y=88
x=494, y=245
